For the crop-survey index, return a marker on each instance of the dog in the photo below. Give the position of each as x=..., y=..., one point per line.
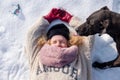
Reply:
x=103, y=21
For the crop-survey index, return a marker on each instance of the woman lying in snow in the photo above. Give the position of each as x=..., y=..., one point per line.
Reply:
x=55, y=51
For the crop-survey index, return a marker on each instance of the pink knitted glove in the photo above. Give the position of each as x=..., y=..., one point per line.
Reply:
x=56, y=13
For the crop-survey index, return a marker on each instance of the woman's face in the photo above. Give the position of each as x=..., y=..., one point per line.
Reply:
x=59, y=41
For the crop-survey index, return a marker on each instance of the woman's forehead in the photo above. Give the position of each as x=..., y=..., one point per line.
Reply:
x=56, y=37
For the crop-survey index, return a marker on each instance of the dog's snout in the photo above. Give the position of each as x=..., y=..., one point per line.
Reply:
x=77, y=30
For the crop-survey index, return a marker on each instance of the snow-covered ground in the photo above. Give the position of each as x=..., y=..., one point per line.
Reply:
x=14, y=25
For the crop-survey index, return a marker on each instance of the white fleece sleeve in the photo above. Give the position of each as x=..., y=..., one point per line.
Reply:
x=75, y=22
x=35, y=32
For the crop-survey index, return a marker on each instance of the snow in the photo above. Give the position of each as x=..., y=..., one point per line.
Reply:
x=13, y=27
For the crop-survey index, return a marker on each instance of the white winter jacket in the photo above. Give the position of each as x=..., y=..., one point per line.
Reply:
x=80, y=69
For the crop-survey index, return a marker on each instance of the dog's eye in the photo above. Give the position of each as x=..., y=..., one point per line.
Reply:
x=88, y=21
x=92, y=22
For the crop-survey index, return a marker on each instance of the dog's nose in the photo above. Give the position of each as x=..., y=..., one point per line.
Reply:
x=76, y=30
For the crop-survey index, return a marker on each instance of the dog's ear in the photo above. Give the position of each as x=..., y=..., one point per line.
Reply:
x=105, y=8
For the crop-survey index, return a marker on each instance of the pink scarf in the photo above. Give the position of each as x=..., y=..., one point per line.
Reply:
x=56, y=56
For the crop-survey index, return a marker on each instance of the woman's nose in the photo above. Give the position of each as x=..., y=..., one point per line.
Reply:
x=58, y=44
